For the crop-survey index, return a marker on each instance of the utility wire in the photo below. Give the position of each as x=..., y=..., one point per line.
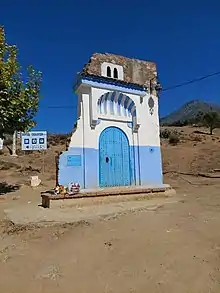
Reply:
x=163, y=90
x=191, y=81
x=59, y=107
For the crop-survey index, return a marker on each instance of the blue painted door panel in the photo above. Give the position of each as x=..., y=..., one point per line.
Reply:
x=114, y=158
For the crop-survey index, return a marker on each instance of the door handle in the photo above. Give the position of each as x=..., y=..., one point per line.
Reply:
x=108, y=160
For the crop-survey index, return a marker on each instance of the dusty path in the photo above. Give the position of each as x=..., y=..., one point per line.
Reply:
x=175, y=248
x=64, y=213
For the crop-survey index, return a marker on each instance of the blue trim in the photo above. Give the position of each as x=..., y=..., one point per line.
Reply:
x=86, y=176
x=83, y=149
x=117, y=82
x=150, y=166
x=134, y=162
x=126, y=102
x=139, y=159
x=113, y=96
x=131, y=106
x=130, y=124
x=99, y=82
x=120, y=98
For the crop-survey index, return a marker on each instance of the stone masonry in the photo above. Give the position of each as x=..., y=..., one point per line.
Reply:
x=135, y=71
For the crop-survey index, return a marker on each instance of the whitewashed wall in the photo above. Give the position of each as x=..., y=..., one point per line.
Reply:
x=149, y=124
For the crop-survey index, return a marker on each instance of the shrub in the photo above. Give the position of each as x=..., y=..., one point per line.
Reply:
x=56, y=139
x=165, y=133
x=174, y=139
x=196, y=138
x=8, y=165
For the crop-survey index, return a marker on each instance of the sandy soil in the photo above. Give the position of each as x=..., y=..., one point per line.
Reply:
x=172, y=248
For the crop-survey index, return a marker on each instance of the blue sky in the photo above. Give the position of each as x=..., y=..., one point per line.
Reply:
x=182, y=37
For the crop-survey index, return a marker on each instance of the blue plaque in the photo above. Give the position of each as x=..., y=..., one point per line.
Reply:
x=74, y=160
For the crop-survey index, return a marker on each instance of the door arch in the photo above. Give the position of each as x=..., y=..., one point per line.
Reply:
x=114, y=158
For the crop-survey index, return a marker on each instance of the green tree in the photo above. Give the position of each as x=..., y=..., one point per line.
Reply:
x=212, y=120
x=199, y=118
x=19, y=99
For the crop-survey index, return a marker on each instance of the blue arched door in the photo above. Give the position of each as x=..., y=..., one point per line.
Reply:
x=114, y=158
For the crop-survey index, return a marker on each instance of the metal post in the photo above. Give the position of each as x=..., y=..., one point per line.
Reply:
x=43, y=169
x=14, y=145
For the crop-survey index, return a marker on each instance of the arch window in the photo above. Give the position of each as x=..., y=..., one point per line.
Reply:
x=115, y=73
x=109, y=74
x=112, y=70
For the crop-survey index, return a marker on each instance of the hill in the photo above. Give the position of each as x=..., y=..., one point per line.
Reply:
x=189, y=111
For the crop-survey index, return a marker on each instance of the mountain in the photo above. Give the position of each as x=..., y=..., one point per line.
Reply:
x=189, y=111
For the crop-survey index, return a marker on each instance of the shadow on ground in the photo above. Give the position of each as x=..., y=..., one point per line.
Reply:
x=6, y=188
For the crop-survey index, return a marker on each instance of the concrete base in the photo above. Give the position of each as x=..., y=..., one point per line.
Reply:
x=125, y=190
x=129, y=192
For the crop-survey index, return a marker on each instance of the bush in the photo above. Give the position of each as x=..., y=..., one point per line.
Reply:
x=57, y=139
x=196, y=138
x=174, y=139
x=165, y=133
x=8, y=165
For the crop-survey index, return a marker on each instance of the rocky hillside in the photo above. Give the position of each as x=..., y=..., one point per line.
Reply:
x=189, y=111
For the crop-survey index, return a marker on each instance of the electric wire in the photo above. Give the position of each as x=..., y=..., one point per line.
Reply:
x=163, y=90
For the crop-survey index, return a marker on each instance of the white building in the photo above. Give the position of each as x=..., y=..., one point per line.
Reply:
x=116, y=142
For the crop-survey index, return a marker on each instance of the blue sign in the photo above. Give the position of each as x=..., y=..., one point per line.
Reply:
x=34, y=141
x=74, y=160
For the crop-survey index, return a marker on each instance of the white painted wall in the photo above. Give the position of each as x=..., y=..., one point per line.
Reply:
x=77, y=136
x=148, y=132
x=119, y=68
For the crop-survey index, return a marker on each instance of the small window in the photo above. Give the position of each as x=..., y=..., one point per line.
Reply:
x=109, y=74
x=115, y=73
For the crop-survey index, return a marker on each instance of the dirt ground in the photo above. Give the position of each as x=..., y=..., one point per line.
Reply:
x=174, y=247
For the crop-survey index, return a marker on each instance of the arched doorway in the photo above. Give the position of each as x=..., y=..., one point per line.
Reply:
x=114, y=158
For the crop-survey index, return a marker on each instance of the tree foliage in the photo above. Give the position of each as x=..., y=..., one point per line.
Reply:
x=19, y=99
x=211, y=120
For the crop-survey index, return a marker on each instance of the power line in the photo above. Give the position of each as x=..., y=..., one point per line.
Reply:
x=60, y=107
x=163, y=90
x=191, y=81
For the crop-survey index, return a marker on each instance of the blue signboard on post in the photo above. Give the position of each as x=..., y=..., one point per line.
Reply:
x=34, y=141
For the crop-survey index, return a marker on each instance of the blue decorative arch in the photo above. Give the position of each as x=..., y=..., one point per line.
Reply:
x=121, y=100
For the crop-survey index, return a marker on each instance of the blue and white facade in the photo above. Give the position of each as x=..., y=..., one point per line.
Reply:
x=116, y=142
